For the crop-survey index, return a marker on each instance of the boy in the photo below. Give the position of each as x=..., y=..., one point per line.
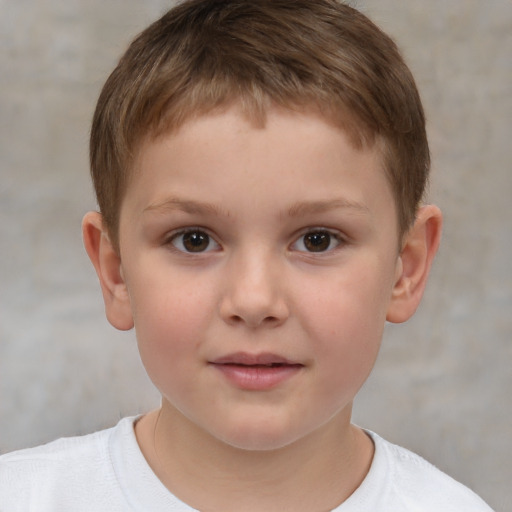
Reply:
x=259, y=167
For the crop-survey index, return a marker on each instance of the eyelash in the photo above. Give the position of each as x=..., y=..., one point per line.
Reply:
x=326, y=235
x=333, y=236
x=190, y=231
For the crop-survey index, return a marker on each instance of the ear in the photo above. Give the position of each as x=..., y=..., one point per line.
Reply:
x=413, y=266
x=107, y=263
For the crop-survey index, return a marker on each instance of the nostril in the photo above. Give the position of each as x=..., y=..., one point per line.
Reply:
x=253, y=310
x=268, y=321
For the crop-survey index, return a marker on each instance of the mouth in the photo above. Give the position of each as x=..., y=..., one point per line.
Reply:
x=246, y=359
x=256, y=372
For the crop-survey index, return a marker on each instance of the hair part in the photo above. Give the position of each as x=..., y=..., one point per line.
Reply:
x=204, y=55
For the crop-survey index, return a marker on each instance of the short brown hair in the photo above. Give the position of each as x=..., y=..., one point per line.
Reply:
x=205, y=54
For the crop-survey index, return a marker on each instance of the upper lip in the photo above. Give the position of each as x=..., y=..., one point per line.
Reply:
x=247, y=359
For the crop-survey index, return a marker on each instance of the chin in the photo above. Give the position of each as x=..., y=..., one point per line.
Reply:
x=258, y=437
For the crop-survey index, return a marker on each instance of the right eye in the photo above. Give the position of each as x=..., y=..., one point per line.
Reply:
x=193, y=241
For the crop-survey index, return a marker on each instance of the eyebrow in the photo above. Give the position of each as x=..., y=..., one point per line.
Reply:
x=183, y=205
x=298, y=209
x=312, y=207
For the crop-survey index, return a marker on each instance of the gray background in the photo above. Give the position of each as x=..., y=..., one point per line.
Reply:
x=443, y=384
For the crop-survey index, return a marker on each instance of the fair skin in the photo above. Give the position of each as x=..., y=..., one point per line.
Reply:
x=258, y=265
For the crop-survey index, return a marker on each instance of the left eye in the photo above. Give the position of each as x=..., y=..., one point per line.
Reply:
x=193, y=241
x=317, y=241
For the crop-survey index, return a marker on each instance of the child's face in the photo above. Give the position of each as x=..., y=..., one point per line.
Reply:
x=259, y=265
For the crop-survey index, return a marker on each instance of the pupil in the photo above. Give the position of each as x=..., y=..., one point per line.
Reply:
x=196, y=241
x=317, y=242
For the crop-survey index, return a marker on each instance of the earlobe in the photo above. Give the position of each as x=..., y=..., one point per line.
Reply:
x=107, y=264
x=414, y=263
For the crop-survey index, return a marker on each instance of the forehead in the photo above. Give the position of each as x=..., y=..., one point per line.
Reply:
x=234, y=124
x=226, y=159
x=257, y=117
x=257, y=111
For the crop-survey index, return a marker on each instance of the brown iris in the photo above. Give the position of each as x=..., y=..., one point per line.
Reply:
x=317, y=241
x=196, y=241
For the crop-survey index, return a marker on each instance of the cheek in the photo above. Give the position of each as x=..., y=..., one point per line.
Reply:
x=170, y=324
x=169, y=304
x=349, y=305
x=346, y=320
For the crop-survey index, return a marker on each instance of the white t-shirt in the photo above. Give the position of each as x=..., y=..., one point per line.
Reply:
x=106, y=471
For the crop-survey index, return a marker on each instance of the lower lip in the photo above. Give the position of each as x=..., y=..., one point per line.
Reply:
x=257, y=378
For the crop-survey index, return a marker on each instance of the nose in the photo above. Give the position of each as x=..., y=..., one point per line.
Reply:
x=254, y=292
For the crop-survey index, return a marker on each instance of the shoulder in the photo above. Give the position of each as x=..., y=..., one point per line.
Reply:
x=57, y=455
x=418, y=485
x=55, y=451
x=58, y=469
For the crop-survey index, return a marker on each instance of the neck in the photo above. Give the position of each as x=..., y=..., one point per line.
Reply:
x=317, y=472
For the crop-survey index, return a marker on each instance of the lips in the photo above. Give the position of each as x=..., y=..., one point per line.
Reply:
x=256, y=372
x=245, y=359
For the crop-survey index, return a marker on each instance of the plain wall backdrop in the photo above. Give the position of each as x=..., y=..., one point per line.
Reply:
x=443, y=383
